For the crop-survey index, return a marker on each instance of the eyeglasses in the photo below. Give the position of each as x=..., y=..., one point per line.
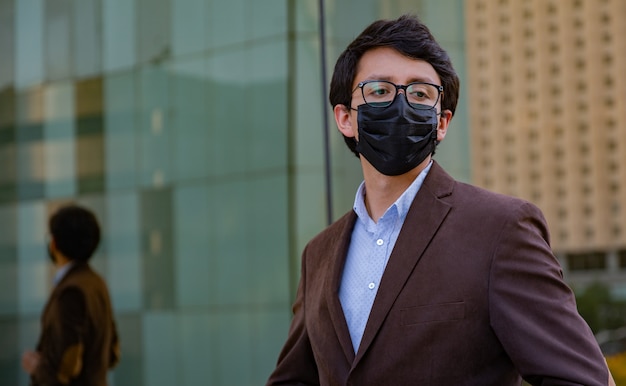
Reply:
x=381, y=93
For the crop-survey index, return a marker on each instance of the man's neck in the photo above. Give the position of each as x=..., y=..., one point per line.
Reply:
x=382, y=191
x=61, y=271
x=61, y=261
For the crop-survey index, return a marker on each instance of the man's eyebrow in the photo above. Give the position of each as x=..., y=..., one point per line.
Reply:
x=425, y=79
x=377, y=77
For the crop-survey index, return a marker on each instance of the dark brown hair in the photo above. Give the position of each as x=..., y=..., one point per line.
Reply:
x=76, y=232
x=408, y=36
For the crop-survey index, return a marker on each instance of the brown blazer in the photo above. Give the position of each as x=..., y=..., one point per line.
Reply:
x=471, y=295
x=78, y=342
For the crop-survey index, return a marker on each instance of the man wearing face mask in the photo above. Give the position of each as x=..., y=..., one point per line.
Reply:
x=78, y=342
x=428, y=281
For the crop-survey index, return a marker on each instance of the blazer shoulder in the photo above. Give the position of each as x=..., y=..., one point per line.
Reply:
x=489, y=201
x=330, y=244
x=84, y=277
x=490, y=210
x=476, y=202
x=335, y=231
x=468, y=196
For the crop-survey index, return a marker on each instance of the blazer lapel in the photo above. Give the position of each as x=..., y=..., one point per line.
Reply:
x=338, y=247
x=425, y=215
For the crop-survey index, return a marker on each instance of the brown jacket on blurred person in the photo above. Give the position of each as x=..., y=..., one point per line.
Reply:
x=78, y=342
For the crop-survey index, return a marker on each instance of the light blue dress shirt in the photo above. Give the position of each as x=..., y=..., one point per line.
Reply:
x=370, y=247
x=61, y=272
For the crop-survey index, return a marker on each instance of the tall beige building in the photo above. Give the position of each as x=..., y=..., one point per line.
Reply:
x=547, y=101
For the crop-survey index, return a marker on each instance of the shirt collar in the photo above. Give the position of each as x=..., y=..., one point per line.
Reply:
x=402, y=204
x=61, y=272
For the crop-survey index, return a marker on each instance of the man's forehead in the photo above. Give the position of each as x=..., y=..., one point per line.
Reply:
x=387, y=63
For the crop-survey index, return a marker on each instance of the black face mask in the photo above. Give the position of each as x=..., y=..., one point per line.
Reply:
x=396, y=138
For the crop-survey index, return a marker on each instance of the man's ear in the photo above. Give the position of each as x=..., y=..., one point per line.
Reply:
x=444, y=120
x=343, y=117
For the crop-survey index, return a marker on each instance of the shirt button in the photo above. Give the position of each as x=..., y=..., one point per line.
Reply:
x=379, y=242
x=371, y=285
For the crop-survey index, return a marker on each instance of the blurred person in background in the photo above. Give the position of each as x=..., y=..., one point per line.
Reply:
x=78, y=342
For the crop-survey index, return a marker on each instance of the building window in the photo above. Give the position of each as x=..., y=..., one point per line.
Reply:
x=621, y=258
x=588, y=261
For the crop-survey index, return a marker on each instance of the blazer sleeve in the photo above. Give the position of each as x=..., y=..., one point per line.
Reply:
x=115, y=353
x=533, y=311
x=296, y=364
x=61, y=358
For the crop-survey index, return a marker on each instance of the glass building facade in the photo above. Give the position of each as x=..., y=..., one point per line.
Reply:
x=195, y=130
